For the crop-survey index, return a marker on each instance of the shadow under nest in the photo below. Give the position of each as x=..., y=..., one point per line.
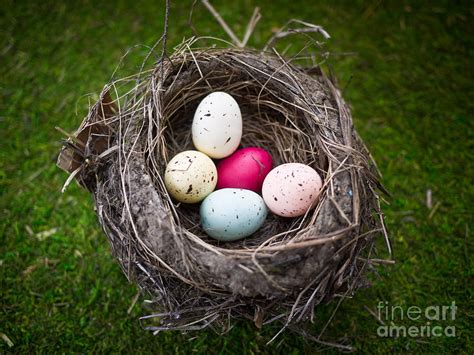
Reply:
x=287, y=267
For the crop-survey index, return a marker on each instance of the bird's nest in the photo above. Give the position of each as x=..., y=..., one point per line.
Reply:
x=288, y=267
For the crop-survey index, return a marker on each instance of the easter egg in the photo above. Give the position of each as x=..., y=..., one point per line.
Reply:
x=232, y=214
x=217, y=125
x=190, y=176
x=245, y=169
x=289, y=190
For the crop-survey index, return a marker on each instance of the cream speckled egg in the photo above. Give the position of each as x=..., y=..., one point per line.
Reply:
x=217, y=125
x=190, y=176
x=289, y=190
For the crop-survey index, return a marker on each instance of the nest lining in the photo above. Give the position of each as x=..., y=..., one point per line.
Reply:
x=287, y=267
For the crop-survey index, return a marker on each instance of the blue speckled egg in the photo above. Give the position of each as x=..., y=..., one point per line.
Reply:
x=232, y=214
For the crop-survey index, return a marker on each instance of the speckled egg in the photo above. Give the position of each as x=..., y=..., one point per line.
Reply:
x=190, y=176
x=232, y=214
x=289, y=190
x=217, y=125
x=245, y=169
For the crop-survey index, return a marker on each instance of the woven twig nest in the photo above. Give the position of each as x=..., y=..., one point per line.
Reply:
x=287, y=267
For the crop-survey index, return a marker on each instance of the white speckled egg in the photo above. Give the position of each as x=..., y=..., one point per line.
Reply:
x=190, y=176
x=289, y=190
x=232, y=214
x=217, y=125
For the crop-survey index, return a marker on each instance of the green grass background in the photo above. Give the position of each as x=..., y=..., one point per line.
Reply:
x=406, y=68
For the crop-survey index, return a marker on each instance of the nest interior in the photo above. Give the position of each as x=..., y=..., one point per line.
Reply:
x=287, y=267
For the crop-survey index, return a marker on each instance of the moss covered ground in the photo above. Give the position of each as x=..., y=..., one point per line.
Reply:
x=404, y=66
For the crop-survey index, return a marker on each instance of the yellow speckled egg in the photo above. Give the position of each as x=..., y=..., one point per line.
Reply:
x=190, y=176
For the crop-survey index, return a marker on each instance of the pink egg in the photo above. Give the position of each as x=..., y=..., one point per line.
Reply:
x=244, y=169
x=291, y=189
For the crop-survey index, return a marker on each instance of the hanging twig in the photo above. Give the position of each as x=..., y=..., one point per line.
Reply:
x=165, y=30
